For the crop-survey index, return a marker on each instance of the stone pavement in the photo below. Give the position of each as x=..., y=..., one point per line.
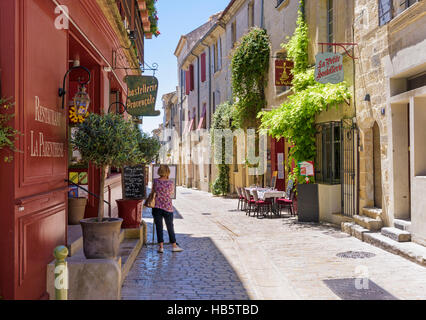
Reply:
x=231, y=256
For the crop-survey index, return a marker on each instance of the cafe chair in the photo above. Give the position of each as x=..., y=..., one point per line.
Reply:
x=287, y=203
x=249, y=202
x=241, y=199
x=260, y=205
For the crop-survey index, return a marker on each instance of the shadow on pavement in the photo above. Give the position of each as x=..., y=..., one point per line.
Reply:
x=200, y=272
x=358, y=289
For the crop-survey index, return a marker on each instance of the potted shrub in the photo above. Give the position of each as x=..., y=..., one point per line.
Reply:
x=104, y=140
x=130, y=210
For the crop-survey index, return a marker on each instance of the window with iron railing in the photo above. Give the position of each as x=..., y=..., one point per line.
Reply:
x=328, y=143
x=330, y=24
x=385, y=11
x=389, y=9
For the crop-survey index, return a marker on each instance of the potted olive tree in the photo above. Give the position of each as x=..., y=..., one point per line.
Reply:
x=130, y=210
x=105, y=140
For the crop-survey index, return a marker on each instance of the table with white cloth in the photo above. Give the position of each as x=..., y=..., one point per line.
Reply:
x=267, y=193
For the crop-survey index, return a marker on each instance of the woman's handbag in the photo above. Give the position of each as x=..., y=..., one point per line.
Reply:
x=150, y=201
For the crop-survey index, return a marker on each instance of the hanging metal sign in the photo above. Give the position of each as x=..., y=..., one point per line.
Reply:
x=329, y=68
x=142, y=96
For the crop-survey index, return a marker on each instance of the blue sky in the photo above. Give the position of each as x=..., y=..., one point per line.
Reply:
x=177, y=17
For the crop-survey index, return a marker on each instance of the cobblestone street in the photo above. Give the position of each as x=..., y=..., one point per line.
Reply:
x=231, y=256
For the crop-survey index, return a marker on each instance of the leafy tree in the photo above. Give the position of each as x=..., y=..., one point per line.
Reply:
x=222, y=120
x=149, y=147
x=295, y=119
x=8, y=134
x=107, y=140
x=249, y=66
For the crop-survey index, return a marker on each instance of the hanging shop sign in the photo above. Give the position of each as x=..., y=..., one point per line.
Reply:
x=329, y=68
x=306, y=168
x=142, y=96
x=80, y=109
x=283, y=73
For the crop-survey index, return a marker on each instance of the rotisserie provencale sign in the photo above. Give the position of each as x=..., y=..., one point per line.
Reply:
x=142, y=96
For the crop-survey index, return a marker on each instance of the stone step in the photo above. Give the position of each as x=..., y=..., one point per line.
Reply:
x=409, y=250
x=372, y=213
x=396, y=234
x=402, y=224
x=74, y=240
x=369, y=223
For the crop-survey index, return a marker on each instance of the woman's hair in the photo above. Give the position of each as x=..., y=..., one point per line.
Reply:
x=164, y=171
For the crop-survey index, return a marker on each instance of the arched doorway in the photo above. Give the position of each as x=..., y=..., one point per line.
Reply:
x=377, y=167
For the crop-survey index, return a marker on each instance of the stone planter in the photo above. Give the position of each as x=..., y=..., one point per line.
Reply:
x=76, y=210
x=101, y=240
x=308, y=202
x=131, y=213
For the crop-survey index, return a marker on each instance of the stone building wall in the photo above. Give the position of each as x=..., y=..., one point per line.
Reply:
x=389, y=55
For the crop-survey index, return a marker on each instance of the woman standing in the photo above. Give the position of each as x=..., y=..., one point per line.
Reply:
x=164, y=189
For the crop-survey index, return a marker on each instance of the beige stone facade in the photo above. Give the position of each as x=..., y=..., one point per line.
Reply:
x=390, y=72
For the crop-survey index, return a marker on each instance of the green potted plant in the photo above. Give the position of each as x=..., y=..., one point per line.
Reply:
x=130, y=210
x=105, y=140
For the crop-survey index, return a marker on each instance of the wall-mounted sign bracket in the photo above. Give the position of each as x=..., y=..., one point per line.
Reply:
x=339, y=44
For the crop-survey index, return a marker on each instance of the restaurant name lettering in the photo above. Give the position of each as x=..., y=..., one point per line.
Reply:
x=40, y=147
x=149, y=90
x=329, y=68
x=142, y=96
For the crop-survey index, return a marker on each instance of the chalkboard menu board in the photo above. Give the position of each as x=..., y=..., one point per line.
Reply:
x=134, y=183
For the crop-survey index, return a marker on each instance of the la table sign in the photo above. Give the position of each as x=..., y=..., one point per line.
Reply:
x=329, y=68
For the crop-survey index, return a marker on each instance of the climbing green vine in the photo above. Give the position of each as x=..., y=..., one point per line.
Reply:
x=295, y=119
x=249, y=67
x=222, y=120
x=8, y=134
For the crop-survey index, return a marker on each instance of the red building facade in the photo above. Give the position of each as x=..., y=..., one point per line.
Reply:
x=34, y=57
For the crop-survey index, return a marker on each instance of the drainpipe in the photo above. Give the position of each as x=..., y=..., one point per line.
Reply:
x=210, y=100
x=262, y=15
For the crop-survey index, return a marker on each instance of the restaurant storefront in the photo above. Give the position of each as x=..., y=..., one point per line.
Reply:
x=36, y=51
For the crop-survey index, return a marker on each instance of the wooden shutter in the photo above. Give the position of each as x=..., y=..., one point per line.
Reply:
x=187, y=82
x=203, y=67
x=191, y=77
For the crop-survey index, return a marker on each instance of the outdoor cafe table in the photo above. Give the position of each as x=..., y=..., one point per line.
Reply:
x=265, y=193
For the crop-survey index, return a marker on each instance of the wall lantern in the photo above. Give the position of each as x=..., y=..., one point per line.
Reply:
x=80, y=108
x=62, y=90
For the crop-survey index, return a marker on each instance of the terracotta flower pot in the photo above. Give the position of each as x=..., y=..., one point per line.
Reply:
x=142, y=5
x=146, y=26
x=145, y=15
x=76, y=210
x=148, y=35
x=131, y=213
x=101, y=240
